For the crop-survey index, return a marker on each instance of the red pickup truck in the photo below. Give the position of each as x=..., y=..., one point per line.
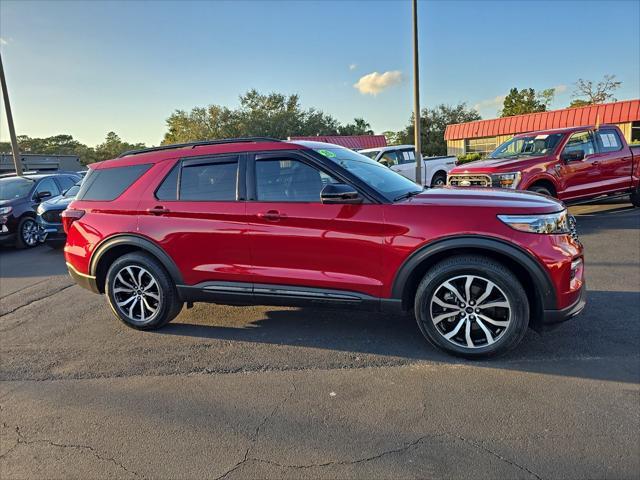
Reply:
x=572, y=164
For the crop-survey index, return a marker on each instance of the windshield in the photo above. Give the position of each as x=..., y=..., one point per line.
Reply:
x=532, y=146
x=389, y=183
x=372, y=155
x=73, y=191
x=14, y=188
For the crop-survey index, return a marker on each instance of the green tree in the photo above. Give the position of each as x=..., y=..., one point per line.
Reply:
x=587, y=92
x=358, y=127
x=114, y=146
x=518, y=102
x=433, y=122
x=393, y=138
x=271, y=115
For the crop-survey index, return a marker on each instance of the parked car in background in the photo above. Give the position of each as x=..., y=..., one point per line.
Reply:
x=402, y=159
x=260, y=221
x=575, y=164
x=19, y=199
x=50, y=217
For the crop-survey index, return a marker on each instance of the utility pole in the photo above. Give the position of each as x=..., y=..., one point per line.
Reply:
x=12, y=130
x=416, y=96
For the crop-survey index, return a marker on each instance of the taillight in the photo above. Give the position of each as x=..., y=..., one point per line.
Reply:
x=69, y=216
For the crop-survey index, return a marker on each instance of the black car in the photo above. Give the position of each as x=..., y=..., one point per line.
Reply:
x=19, y=199
x=50, y=220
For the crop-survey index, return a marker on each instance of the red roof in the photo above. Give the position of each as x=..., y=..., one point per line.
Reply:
x=356, y=142
x=616, y=112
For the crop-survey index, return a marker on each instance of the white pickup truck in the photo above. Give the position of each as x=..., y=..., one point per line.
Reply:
x=402, y=159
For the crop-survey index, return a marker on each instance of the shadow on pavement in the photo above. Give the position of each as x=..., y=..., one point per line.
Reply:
x=608, y=329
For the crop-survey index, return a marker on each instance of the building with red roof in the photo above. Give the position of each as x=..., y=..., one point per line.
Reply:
x=354, y=142
x=483, y=136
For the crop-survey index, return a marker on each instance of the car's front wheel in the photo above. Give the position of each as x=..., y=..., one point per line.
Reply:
x=28, y=234
x=472, y=306
x=141, y=293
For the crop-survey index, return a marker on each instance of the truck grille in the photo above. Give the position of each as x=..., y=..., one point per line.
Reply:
x=52, y=216
x=466, y=180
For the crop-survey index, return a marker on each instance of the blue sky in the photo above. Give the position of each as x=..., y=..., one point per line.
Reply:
x=85, y=68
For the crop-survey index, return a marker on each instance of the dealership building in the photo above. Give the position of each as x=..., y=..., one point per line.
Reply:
x=483, y=136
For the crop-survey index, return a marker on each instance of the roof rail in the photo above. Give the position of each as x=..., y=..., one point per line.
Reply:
x=198, y=144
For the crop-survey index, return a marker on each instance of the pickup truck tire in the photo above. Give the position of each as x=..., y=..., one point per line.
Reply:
x=635, y=198
x=540, y=189
x=472, y=306
x=439, y=180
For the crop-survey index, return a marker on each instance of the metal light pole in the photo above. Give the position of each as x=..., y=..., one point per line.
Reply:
x=12, y=130
x=416, y=96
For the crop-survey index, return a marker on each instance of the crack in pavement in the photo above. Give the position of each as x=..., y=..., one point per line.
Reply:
x=22, y=440
x=35, y=300
x=256, y=433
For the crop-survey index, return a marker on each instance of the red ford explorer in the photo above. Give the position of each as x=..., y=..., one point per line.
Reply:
x=260, y=221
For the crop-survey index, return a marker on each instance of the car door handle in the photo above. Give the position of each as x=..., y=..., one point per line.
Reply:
x=595, y=163
x=271, y=215
x=157, y=210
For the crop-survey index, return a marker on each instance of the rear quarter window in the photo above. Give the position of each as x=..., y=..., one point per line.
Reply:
x=109, y=183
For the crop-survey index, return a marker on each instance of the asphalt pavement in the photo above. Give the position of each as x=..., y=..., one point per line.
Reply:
x=273, y=392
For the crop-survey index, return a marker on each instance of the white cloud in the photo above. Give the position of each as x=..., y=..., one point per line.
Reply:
x=560, y=88
x=494, y=102
x=3, y=41
x=353, y=66
x=374, y=83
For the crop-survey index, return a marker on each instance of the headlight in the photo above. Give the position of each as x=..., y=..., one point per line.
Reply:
x=40, y=209
x=556, y=223
x=506, y=180
x=5, y=210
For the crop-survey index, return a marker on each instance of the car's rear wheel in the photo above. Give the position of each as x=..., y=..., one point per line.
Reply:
x=28, y=234
x=141, y=293
x=439, y=180
x=472, y=306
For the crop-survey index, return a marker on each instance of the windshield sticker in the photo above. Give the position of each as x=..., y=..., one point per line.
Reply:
x=541, y=137
x=327, y=153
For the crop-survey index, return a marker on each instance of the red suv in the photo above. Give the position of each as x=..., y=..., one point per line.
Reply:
x=261, y=221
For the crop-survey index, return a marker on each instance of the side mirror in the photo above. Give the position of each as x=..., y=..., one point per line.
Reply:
x=43, y=195
x=574, y=156
x=339, y=193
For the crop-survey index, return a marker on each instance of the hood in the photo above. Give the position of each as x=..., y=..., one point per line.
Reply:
x=59, y=202
x=499, y=164
x=506, y=201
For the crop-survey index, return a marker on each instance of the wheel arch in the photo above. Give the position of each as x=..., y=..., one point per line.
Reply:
x=440, y=171
x=534, y=279
x=118, y=245
x=548, y=182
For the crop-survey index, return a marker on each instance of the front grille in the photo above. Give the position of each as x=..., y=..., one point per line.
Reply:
x=466, y=180
x=573, y=228
x=52, y=216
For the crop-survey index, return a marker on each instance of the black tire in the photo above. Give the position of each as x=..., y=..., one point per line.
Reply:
x=439, y=180
x=168, y=304
x=635, y=198
x=484, y=270
x=26, y=236
x=540, y=189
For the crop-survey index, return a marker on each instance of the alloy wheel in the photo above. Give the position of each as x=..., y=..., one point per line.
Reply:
x=137, y=294
x=470, y=311
x=29, y=233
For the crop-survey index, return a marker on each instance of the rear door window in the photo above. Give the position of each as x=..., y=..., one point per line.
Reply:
x=214, y=182
x=608, y=141
x=109, y=183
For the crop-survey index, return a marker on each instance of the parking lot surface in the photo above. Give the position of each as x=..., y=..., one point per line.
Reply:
x=273, y=392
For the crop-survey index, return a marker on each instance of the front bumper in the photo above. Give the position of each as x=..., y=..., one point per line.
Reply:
x=82, y=279
x=554, y=317
x=51, y=232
